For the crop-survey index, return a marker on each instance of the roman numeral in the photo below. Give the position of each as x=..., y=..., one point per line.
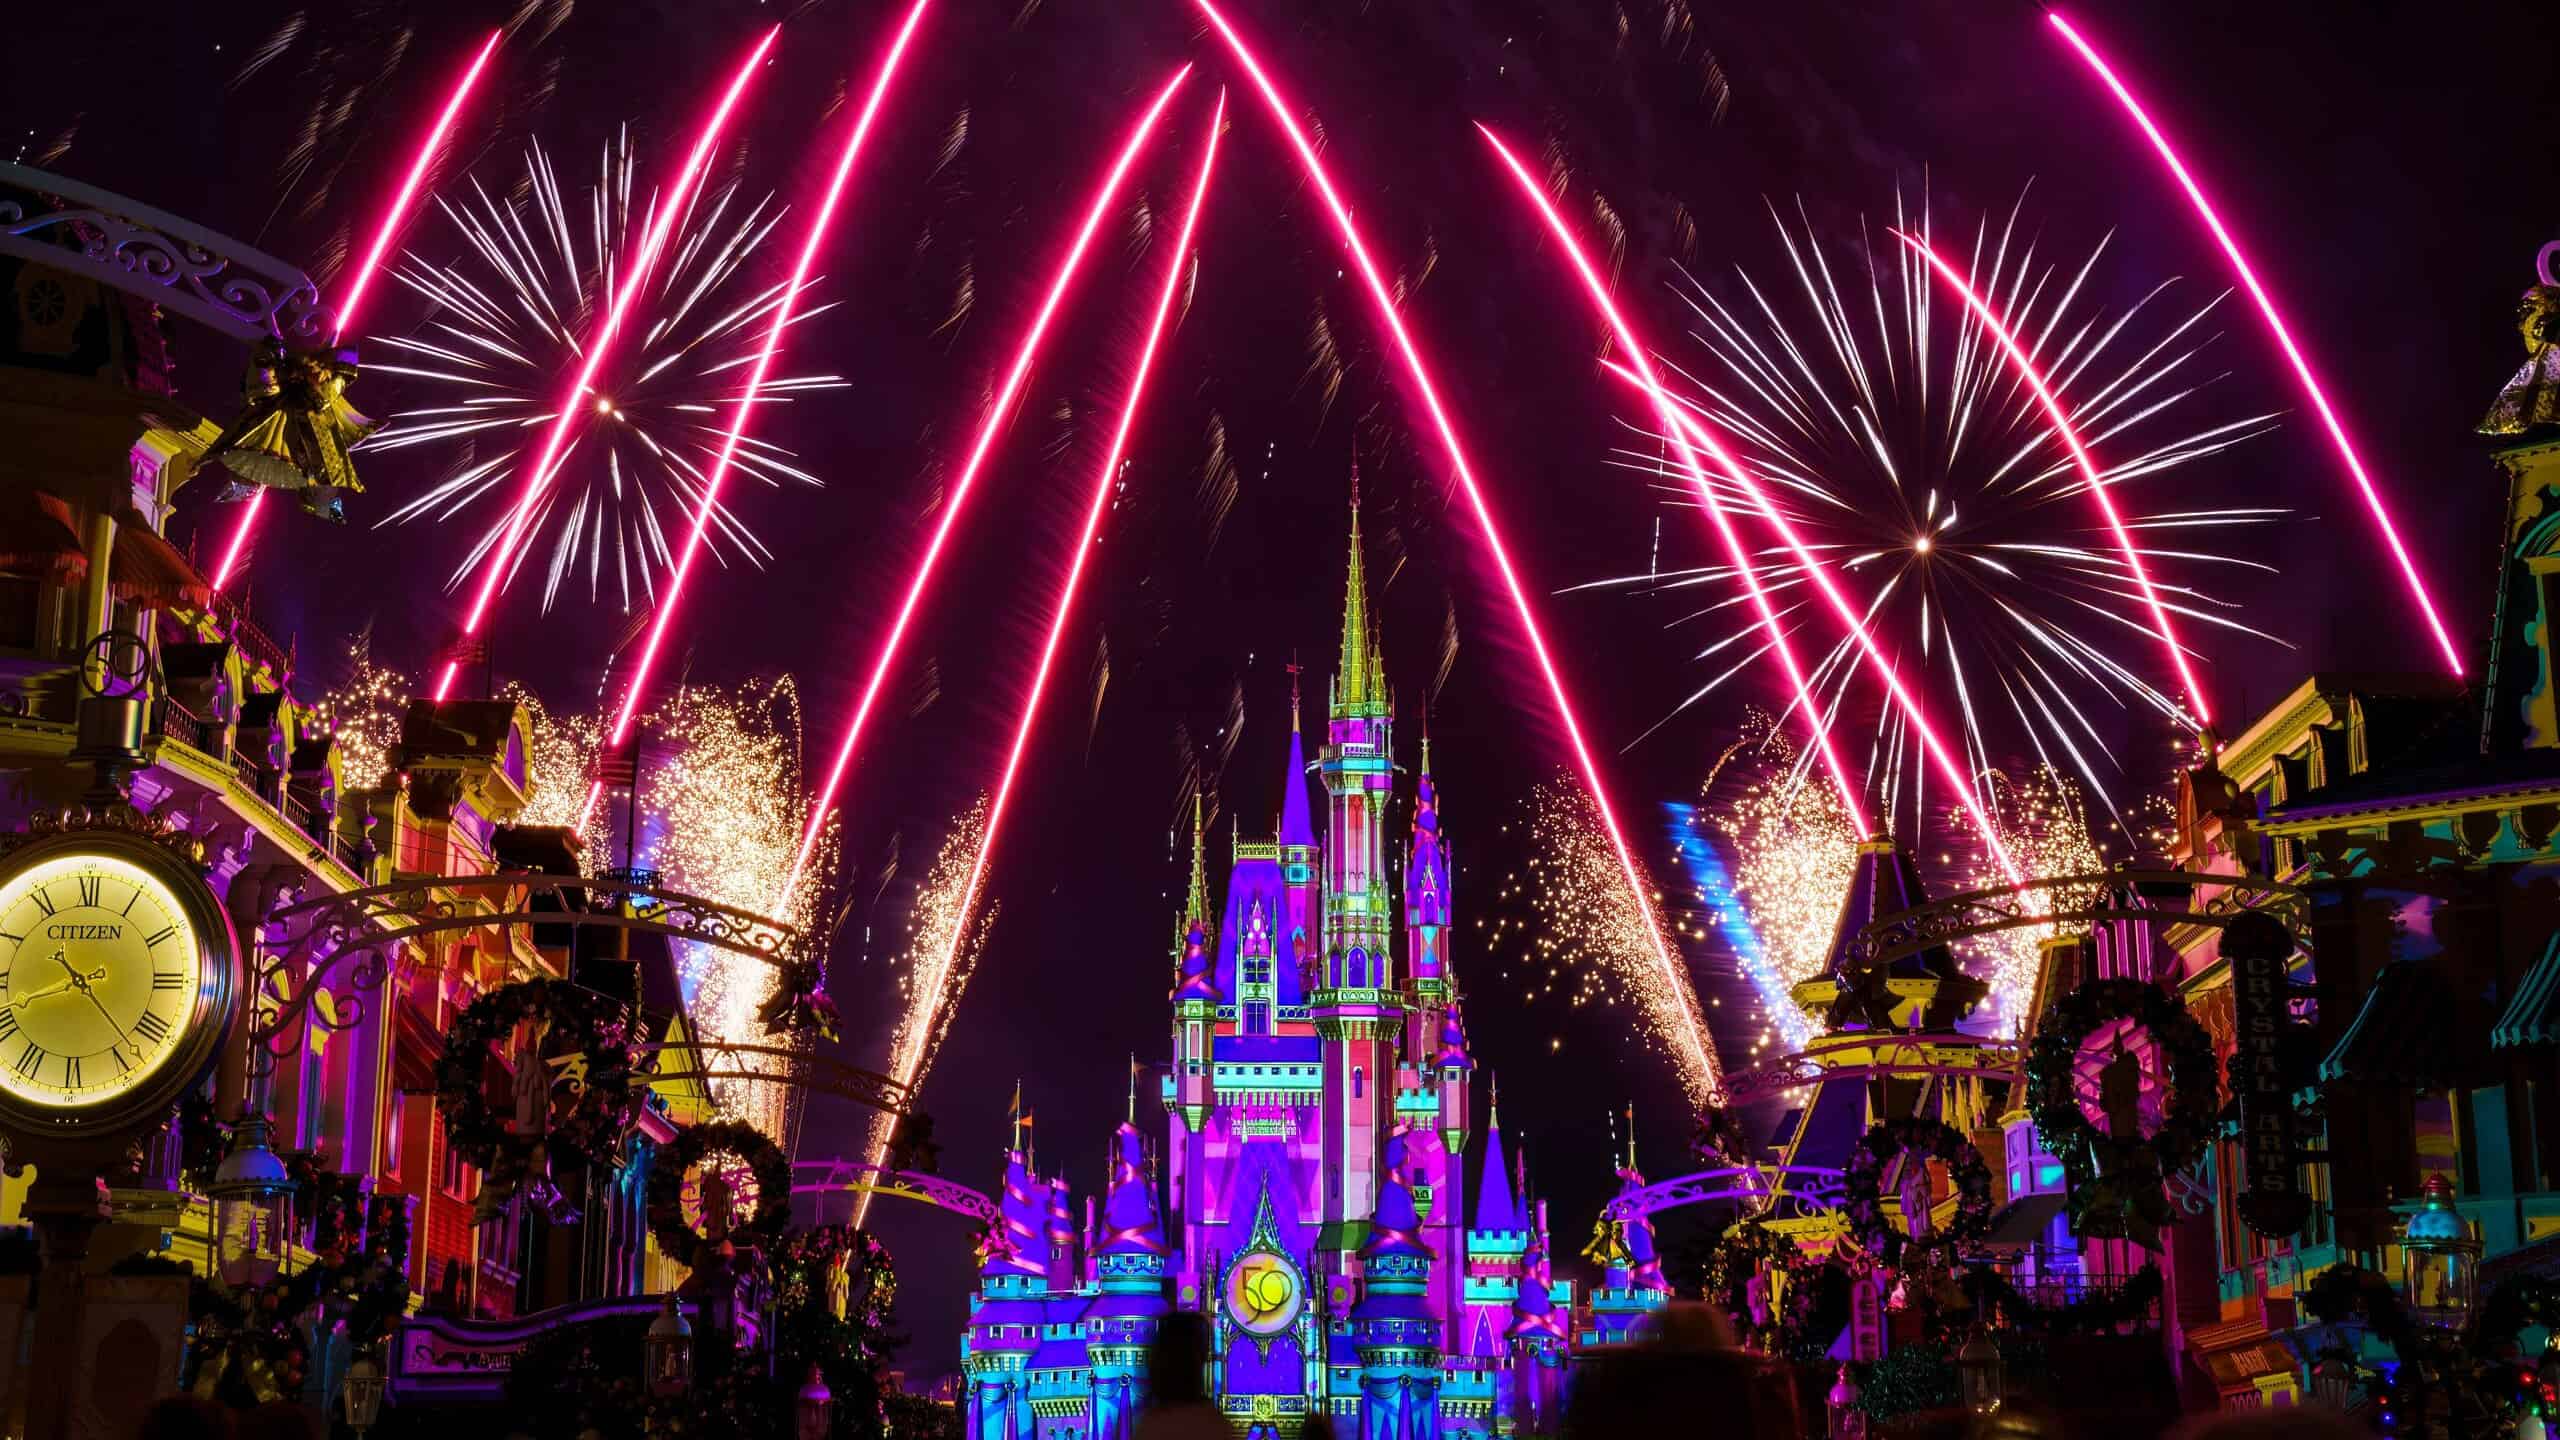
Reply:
x=91, y=887
x=30, y=1058
x=168, y=980
x=44, y=902
x=123, y=1066
x=153, y=942
x=70, y=1072
x=152, y=1026
x=8, y=1023
x=131, y=900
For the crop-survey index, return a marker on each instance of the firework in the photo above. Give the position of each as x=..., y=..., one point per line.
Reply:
x=782, y=315
x=2284, y=337
x=1586, y=941
x=998, y=412
x=941, y=953
x=508, y=321
x=1697, y=1047
x=1794, y=855
x=2046, y=824
x=363, y=712
x=724, y=785
x=1907, y=455
x=576, y=400
x=565, y=746
x=372, y=262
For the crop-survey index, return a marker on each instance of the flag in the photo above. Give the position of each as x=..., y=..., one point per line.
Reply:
x=1020, y=1114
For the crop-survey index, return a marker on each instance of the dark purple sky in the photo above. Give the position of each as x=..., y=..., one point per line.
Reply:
x=2394, y=174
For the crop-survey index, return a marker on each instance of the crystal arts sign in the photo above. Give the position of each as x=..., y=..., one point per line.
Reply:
x=2257, y=946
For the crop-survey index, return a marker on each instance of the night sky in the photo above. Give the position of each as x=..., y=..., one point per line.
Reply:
x=2393, y=168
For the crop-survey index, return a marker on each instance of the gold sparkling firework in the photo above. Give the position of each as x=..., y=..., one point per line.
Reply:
x=2044, y=821
x=564, y=755
x=1794, y=855
x=723, y=780
x=932, y=972
x=1586, y=939
x=364, y=711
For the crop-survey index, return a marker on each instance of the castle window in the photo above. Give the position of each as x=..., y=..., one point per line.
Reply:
x=1257, y=1018
x=1355, y=1082
x=1359, y=969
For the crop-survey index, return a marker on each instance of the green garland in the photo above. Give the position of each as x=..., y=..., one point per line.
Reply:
x=740, y=1141
x=1749, y=1248
x=2112, y=1176
x=605, y=1102
x=1863, y=1179
x=248, y=1347
x=1922, y=1376
x=2471, y=1372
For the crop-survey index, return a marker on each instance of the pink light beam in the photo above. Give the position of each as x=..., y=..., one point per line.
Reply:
x=1852, y=803
x=382, y=238
x=572, y=408
x=2284, y=336
x=1094, y=511
x=814, y=240
x=2061, y=418
x=998, y=409
x=1283, y=114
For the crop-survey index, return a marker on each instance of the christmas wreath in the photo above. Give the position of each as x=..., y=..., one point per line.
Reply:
x=1923, y=1139
x=694, y=1144
x=2112, y=1174
x=1748, y=1249
x=595, y=1068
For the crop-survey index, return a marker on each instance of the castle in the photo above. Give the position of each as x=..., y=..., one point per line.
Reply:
x=1319, y=1107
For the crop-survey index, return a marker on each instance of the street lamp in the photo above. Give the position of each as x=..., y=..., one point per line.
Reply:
x=2439, y=1260
x=1848, y=1422
x=1978, y=1374
x=361, y=1394
x=817, y=1406
x=669, y=1361
x=2333, y=1383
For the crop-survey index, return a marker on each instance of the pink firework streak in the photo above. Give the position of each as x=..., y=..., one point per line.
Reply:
x=782, y=313
x=1286, y=116
x=2026, y=369
x=382, y=239
x=998, y=408
x=1094, y=511
x=1852, y=804
x=601, y=343
x=2284, y=337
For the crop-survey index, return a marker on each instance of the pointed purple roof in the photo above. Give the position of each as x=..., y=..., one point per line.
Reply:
x=1395, y=1228
x=1130, y=1223
x=1886, y=879
x=1453, y=1041
x=1296, y=826
x=1495, y=1209
x=1022, y=1246
x=1196, y=981
x=1644, y=1258
x=1533, y=1310
x=1255, y=890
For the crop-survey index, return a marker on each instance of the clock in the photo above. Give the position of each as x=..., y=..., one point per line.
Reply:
x=1263, y=1293
x=118, y=972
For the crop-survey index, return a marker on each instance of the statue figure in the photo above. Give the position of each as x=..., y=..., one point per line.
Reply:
x=1914, y=1195
x=717, y=1194
x=2531, y=400
x=840, y=1281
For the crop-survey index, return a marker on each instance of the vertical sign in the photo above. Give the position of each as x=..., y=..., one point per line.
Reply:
x=2257, y=946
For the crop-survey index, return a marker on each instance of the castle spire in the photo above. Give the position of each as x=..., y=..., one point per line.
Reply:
x=1195, y=907
x=1358, y=677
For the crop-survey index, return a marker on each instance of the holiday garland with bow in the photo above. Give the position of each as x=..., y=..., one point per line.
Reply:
x=1919, y=1138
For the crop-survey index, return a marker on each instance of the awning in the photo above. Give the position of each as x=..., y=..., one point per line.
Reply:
x=39, y=539
x=148, y=571
x=2404, y=1033
x=2533, y=1017
x=2025, y=1222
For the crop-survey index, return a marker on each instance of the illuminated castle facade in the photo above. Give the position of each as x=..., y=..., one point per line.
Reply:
x=1319, y=1108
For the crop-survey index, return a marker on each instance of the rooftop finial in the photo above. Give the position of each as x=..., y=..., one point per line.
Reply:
x=1295, y=704
x=1196, y=907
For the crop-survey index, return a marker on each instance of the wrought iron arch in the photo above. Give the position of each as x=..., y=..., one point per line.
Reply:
x=1805, y=1190
x=846, y=1177
x=1984, y=912
x=175, y=263
x=805, y=1071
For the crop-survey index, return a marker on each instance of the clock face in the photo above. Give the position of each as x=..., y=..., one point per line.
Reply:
x=100, y=973
x=1263, y=1295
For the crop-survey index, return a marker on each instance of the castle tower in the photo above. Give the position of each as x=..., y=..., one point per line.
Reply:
x=1012, y=1284
x=1357, y=1011
x=1131, y=1259
x=1301, y=924
x=1496, y=1245
x=1427, y=920
x=1394, y=1325
x=1537, y=1342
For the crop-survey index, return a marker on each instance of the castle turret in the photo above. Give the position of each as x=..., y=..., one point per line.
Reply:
x=1455, y=1069
x=1301, y=923
x=1006, y=1314
x=1131, y=1259
x=1357, y=1011
x=1394, y=1325
x=1427, y=919
x=1195, y=997
x=1537, y=1341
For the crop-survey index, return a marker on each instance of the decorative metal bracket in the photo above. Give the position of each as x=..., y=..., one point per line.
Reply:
x=128, y=246
x=842, y=1177
x=804, y=1070
x=1806, y=1191
x=1962, y=917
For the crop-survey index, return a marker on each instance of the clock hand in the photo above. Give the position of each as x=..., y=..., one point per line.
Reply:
x=54, y=989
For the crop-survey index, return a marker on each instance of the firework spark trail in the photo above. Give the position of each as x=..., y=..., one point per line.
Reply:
x=815, y=238
x=1094, y=511
x=1698, y=1046
x=1739, y=553
x=1728, y=909
x=391, y=220
x=2284, y=336
x=601, y=343
x=941, y=955
x=2048, y=822
x=2026, y=370
x=999, y=407
x=1964, y=785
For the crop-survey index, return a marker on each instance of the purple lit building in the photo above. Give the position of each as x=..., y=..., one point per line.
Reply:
x=1320, y=1102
